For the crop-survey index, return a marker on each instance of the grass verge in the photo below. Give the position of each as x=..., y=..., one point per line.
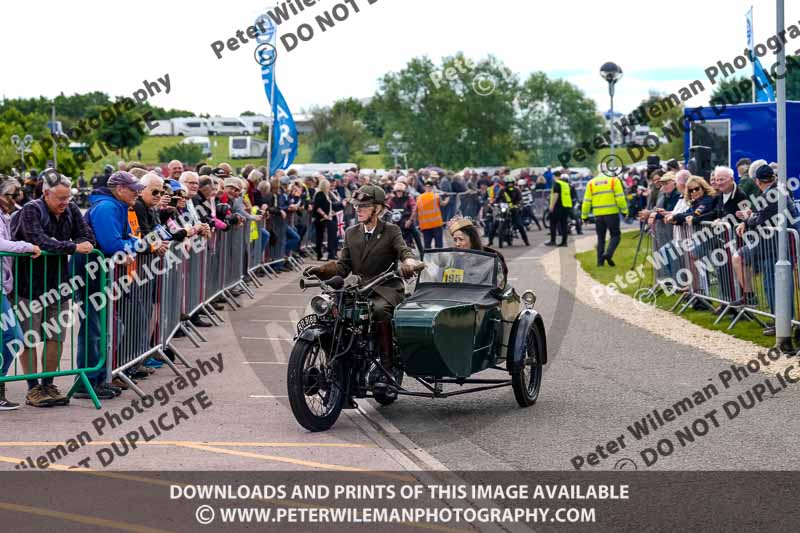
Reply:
x=624, y=256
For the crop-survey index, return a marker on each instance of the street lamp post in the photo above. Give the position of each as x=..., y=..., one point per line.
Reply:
x=783, y=268
x=612, y=74
x=21, y=146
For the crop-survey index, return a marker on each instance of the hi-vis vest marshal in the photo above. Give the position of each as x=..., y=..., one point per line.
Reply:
x=564, y=194
x=429, y=211
x=604, y=196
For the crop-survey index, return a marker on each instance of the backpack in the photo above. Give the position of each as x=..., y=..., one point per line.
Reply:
x=44, y=218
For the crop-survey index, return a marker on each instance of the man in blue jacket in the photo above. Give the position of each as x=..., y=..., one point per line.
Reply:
x=109, y=219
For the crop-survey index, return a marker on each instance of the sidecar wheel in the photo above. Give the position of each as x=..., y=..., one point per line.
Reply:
x=316, y=390
x=527, y=381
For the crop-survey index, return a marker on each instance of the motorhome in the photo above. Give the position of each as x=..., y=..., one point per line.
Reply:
x=189, y=127
x=246, y=147
x=254, y=123
x=161, y=128
x=227, y=126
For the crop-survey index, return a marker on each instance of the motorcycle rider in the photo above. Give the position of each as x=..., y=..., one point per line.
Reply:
x=370, y=248
x=403, y=208
x=512, y=196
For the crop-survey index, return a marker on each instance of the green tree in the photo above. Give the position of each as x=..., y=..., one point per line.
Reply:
x=337, y=135
x=555, y=117
x=457, y=114
x=671, y=120
x=124, y=131
x=738, y=89
x=14, y=122
x=188, y=154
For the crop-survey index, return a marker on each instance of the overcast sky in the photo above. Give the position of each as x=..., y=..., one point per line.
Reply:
x=50, y=47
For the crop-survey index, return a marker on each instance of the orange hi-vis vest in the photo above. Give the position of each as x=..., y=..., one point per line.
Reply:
x=429, y=211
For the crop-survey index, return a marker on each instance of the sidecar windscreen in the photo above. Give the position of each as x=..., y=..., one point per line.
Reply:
x=453, y=266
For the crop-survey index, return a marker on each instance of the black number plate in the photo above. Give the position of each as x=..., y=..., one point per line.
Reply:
x=307, y=322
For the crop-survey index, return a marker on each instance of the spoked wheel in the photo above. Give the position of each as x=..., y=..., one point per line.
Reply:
x=316, y=390
x=546, y=218
x=527, y=381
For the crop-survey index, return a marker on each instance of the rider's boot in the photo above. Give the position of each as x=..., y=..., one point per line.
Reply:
x=385, y=344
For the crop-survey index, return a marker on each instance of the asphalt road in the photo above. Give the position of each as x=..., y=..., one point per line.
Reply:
x=603, y=375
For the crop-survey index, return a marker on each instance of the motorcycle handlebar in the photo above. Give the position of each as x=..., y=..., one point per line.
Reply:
x=306, y=283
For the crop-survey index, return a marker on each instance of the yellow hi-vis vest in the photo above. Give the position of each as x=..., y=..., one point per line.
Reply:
x=604, y=196
x=254, y=233
x=564, y=194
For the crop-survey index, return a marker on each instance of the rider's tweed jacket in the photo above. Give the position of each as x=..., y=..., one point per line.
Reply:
x=370, y=259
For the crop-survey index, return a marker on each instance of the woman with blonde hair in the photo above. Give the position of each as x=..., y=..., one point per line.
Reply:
x=700, y=197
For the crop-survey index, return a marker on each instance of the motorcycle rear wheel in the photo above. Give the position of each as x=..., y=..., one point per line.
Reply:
x=316, y=390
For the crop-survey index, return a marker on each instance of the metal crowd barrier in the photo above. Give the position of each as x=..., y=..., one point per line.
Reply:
x=61, y=302
x=759, y=250
x=709, y=264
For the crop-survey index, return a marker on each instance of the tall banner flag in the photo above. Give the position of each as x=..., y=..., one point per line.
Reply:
x=762, y=86
x=283, y=148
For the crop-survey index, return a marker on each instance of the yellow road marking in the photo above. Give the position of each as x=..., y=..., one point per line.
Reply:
x=81, y=519
x=284, y=503
x=232, y=444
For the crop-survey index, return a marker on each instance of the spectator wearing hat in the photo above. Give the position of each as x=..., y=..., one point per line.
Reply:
x=54, y=224
x=108, y=216
x=766, y=215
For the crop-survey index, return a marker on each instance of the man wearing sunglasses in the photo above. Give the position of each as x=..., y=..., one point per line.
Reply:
x=145, y=208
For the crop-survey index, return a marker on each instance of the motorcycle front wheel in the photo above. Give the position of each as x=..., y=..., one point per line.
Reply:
x=315, y=388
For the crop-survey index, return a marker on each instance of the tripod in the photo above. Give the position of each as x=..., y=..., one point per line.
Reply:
x=643, y=229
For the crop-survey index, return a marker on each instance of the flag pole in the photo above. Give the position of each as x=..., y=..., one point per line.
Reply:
x=752, y=56
x=272, y=106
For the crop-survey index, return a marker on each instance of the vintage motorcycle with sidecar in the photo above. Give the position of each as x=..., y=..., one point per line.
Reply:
x=461, y=319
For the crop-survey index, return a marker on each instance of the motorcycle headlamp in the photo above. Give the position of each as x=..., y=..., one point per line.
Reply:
x=321, y=305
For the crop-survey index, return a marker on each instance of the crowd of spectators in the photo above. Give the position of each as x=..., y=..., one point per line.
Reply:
x=672, y=204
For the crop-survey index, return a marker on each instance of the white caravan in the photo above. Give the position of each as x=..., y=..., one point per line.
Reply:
x=246, y=147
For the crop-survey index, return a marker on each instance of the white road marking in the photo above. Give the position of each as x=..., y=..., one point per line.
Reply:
x=264, y=363
x=267, y=397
